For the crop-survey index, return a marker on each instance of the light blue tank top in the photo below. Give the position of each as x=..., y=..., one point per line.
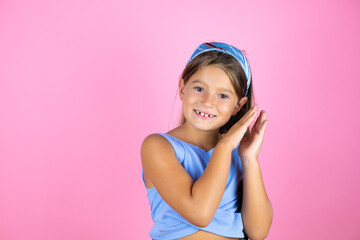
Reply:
x=168, y=224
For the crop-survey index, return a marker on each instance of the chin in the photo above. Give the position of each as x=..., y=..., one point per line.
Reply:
x=206, y=128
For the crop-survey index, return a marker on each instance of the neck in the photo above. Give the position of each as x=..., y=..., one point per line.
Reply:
x=204, y=139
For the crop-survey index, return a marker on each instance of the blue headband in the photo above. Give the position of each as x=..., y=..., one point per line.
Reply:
x=226, y=48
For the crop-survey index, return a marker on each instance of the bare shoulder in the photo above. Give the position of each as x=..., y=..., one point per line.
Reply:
x=156, y=150
x=156, y=142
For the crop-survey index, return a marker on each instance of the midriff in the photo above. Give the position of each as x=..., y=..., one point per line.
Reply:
x=204, y=235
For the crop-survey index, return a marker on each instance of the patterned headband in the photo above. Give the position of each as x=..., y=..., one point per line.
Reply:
x=228, y=49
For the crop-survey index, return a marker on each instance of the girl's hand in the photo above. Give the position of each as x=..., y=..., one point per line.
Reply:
x=250, y=148
x=237, y=131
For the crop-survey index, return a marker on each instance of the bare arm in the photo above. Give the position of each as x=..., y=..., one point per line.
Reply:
x=256, y=207
x=195, y=201
x=209, y=189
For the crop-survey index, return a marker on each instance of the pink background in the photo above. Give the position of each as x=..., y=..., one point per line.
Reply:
x=83, y=82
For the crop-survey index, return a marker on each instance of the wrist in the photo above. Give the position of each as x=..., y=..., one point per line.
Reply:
x=224, y=146
x=249, y=160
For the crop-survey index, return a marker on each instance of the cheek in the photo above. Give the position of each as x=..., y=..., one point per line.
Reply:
x=225, y=108
x=191, y=97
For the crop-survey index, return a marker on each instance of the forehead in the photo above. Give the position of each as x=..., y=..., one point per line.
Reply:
x=213, y=76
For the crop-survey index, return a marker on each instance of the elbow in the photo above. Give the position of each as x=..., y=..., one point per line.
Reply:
x=257, y=236
x=202, y=213
x=202, y=218
x=259, y=230
x=199, y=222
x=202, y=224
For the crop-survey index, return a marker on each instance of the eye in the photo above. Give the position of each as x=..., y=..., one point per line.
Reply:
x=223, y=96
x=199, y=89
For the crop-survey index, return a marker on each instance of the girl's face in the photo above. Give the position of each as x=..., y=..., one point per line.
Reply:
x=209, y=99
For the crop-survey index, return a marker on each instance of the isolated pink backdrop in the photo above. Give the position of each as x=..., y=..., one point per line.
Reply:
x=83, y=82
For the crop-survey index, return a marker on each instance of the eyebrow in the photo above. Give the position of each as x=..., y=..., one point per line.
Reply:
x=222, y=89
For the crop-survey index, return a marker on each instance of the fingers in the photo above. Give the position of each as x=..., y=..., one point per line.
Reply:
x=256, y=126
x=261, y=123
x=248, y=117
x=260, y=120
x=252, y=110
x=250, y=114
x=264, y=127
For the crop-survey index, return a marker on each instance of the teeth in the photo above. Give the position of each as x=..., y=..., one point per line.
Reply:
x=203, y=114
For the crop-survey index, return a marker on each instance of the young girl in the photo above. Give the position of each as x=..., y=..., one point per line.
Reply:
x=203, y=178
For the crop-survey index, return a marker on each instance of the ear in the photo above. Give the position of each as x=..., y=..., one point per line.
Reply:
x=239, y=106
x=181, y=88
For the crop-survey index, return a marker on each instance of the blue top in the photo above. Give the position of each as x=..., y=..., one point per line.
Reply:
x=168, y=224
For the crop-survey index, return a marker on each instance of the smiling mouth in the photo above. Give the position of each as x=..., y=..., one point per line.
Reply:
x=205, y=115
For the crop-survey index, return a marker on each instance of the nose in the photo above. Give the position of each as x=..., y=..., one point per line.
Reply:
x=208, y=100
